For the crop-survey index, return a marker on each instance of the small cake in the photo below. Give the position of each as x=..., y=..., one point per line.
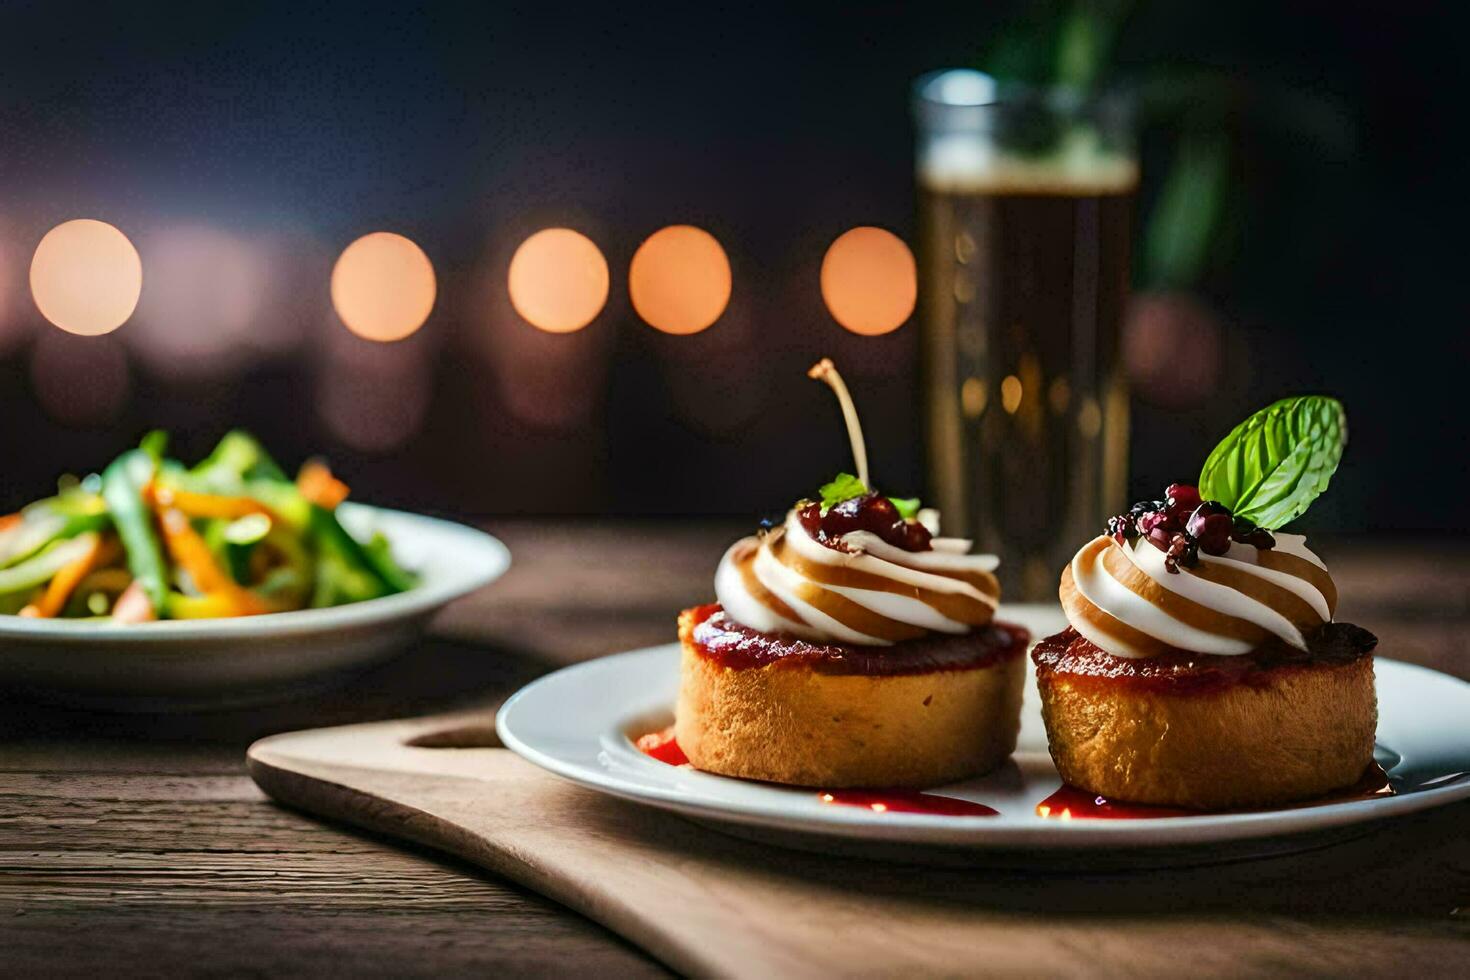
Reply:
x=850, y=647
x=1203, y=668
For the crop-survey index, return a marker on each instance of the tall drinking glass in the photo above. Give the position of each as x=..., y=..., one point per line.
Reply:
x=1025, y=206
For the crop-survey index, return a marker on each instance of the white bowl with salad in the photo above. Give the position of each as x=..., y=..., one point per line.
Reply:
x=153, y=584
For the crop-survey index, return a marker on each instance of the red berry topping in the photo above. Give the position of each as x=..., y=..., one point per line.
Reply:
x=1151, y=521
x=1247, y=533
x=870, y=512
x=1182, y=525
x=1180, y=500
x=1182, y=550
x=1210, y=525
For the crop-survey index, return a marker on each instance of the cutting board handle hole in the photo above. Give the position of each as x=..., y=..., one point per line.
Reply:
x=476, y=735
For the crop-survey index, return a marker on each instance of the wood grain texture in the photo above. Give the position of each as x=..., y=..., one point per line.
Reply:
x=172, y=874
x=708, y=904
x=137, y=844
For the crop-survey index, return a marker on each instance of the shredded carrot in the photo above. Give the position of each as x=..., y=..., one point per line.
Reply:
x=189, y=551
x=207, y=504
x=10, y=520
x=64, y=582
x=318, y=485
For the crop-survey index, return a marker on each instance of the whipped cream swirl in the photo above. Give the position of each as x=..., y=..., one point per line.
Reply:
x=1122, y=598
x=869, y=593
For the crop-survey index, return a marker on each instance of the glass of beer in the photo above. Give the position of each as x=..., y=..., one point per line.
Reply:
x=1025, y=207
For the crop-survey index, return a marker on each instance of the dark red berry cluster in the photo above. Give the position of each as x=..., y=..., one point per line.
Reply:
x=1181, y=526
x=870, y=512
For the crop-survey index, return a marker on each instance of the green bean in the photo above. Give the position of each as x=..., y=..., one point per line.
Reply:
x=122, y=487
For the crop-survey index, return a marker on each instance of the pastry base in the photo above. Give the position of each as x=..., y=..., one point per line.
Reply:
x=789, y=723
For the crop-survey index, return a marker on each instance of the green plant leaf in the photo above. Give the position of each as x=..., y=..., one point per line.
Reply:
x=1177, y=237
x=1271, y=467
x=844, y=486
x=908, y=507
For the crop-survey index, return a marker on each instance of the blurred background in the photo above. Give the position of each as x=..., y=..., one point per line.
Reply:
x=1294, y=234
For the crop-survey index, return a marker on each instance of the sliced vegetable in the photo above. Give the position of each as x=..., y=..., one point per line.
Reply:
x=149, y=538
x=48, y=520
x=250, y=529
x=318, y=485
x=134, y=606
x=123, y=485
x=197, y=504
x=66, y=579
x=190, y=553
x=379, y=554
x=155, y=444
x=238, y=457
x=37, y=570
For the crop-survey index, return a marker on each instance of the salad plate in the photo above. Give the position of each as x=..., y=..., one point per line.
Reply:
x=583, y=722
x=207, y=662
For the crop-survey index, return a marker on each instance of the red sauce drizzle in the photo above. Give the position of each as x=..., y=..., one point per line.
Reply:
x=662, y=745
x=1071, y=803
x=906, y=801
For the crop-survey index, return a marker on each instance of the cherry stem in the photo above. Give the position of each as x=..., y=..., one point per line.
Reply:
x=824, y=370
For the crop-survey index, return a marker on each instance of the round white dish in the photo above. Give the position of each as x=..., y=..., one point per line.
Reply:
x=194, y=663
x=577, y=723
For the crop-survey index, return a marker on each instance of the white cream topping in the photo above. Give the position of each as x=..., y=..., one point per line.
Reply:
x=1097, y=587
x=920, y=574
x=1131, y=609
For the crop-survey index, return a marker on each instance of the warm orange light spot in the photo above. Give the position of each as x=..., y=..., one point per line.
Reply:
x=383, y=286
x=973, y=397
x=680, y=279
x=1011, y=393
x=558, y=280
x=869, y=281
x=86, y=277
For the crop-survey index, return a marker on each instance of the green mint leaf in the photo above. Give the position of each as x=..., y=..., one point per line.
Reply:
x=1271, y=467
x=908, y=507
x=844, y=487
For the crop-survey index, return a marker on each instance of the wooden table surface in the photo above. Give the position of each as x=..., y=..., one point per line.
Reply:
x=138, y=844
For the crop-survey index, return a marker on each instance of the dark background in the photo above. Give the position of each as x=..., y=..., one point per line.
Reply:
x=1334, y=265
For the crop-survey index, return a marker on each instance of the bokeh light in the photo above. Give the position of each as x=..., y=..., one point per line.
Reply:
x=1011, y=393
x=679, y=280
x=869, y=281
x=13, y=327
x=86, y=277
x=205, y=296
x=558, y=280
x=1172, y=346
x=383, y=286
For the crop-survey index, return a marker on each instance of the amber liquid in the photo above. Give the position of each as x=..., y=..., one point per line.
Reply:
x=1023, y=292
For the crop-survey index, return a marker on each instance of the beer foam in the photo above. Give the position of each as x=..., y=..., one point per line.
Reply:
x=963, y=163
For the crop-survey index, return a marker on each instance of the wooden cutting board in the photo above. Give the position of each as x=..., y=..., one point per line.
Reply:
x=1397, y=901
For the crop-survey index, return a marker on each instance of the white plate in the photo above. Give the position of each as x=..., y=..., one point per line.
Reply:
x=177, y=663
x=577, y=721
